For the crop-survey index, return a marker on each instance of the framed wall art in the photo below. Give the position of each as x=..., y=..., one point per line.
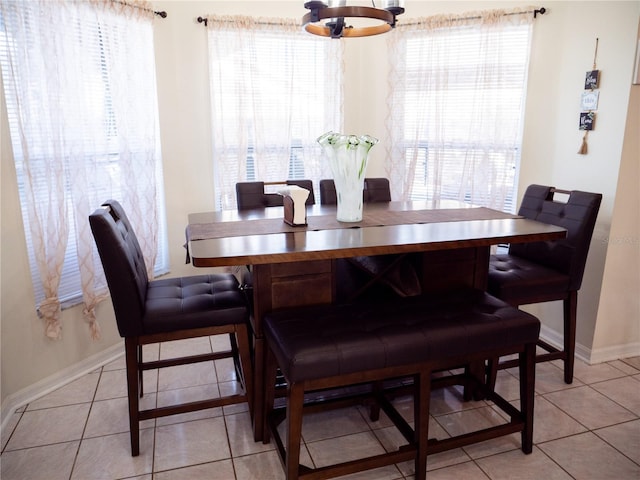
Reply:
x=591, y=80
x=589, y=102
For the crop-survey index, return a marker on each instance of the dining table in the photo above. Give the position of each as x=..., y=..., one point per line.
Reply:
x=447, y=242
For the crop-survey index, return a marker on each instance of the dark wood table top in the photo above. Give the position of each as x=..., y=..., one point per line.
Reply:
x=449, y=225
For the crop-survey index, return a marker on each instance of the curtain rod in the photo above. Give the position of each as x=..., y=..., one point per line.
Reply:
x=535, y=12
x=205, y=20
x=162, y=13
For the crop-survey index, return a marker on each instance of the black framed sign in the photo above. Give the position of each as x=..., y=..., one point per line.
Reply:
x=591, y=80
x=587, y=120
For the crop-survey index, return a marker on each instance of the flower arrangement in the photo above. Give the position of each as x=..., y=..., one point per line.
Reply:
x=348, y=157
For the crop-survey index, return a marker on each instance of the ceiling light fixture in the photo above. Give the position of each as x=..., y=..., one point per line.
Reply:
x=336, y=11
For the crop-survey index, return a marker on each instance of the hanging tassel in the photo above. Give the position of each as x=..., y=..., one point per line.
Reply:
x=583, y=148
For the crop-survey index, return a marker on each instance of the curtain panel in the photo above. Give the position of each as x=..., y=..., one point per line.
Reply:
x=79, y=79
x=274, y=90
x=457, y=87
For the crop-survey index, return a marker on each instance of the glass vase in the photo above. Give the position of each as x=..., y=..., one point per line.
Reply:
x=348, y=157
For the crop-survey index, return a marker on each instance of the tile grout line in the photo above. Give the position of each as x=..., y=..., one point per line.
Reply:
x=594, y=431
x=552, y=460
x=578, y=421
x=84, y=429
x=13, y=430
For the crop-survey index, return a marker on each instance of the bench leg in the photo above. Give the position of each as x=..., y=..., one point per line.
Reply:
x=527, y=394
x=295, y=402
x=421, y=421
x=374, y=409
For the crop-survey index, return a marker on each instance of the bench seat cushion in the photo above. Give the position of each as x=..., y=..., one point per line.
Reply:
x=330, y=340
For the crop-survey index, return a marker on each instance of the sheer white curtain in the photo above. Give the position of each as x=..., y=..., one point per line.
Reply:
x=457, y=93
x=274, y=90
x=79, y=79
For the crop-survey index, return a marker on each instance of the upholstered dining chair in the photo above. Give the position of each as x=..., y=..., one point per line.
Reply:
x=164, y=310
x=548, y=271
x=251, y=195
x=375, y=190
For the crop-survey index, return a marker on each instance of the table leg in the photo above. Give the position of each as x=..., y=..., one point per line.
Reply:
x=282, y=285
x=258, y=389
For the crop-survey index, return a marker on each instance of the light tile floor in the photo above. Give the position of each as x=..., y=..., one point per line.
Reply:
x=587, y=430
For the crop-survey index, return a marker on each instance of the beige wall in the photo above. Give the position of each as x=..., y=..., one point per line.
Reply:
x=562, y=53
x=27, y=355
x=618, y=321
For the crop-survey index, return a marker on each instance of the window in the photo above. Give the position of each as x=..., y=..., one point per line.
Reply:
x=274, y=90
x=79, y=81
x=457, y=108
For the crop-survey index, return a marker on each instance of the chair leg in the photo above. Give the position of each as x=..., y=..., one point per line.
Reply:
x=131, y=357
x=244, y=352
x=527, y=369
x=236, y=358
x=139, y=367
x=295, y=403
x=492, y=373
x=570, y=305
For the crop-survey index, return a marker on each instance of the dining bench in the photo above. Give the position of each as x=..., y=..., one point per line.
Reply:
x=322, y=348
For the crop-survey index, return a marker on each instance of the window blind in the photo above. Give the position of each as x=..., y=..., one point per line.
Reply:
x=65, y=104
x=274, y=90
x=458, y=129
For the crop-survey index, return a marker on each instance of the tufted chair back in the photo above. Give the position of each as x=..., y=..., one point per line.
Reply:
x=377, y=190
x=577, y=215
x=252, y=195
x=374, y=190
x=328, y=195
x=123, y=264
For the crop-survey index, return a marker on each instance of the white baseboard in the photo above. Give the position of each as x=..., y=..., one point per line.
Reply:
x=57, y=380
x=592, y=356
x=607, y=354
x=557, y=340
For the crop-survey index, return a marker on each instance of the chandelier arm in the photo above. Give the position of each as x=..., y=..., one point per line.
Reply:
x=336, y=28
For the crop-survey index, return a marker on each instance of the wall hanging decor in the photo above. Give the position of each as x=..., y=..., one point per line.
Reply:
x=589, y=102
